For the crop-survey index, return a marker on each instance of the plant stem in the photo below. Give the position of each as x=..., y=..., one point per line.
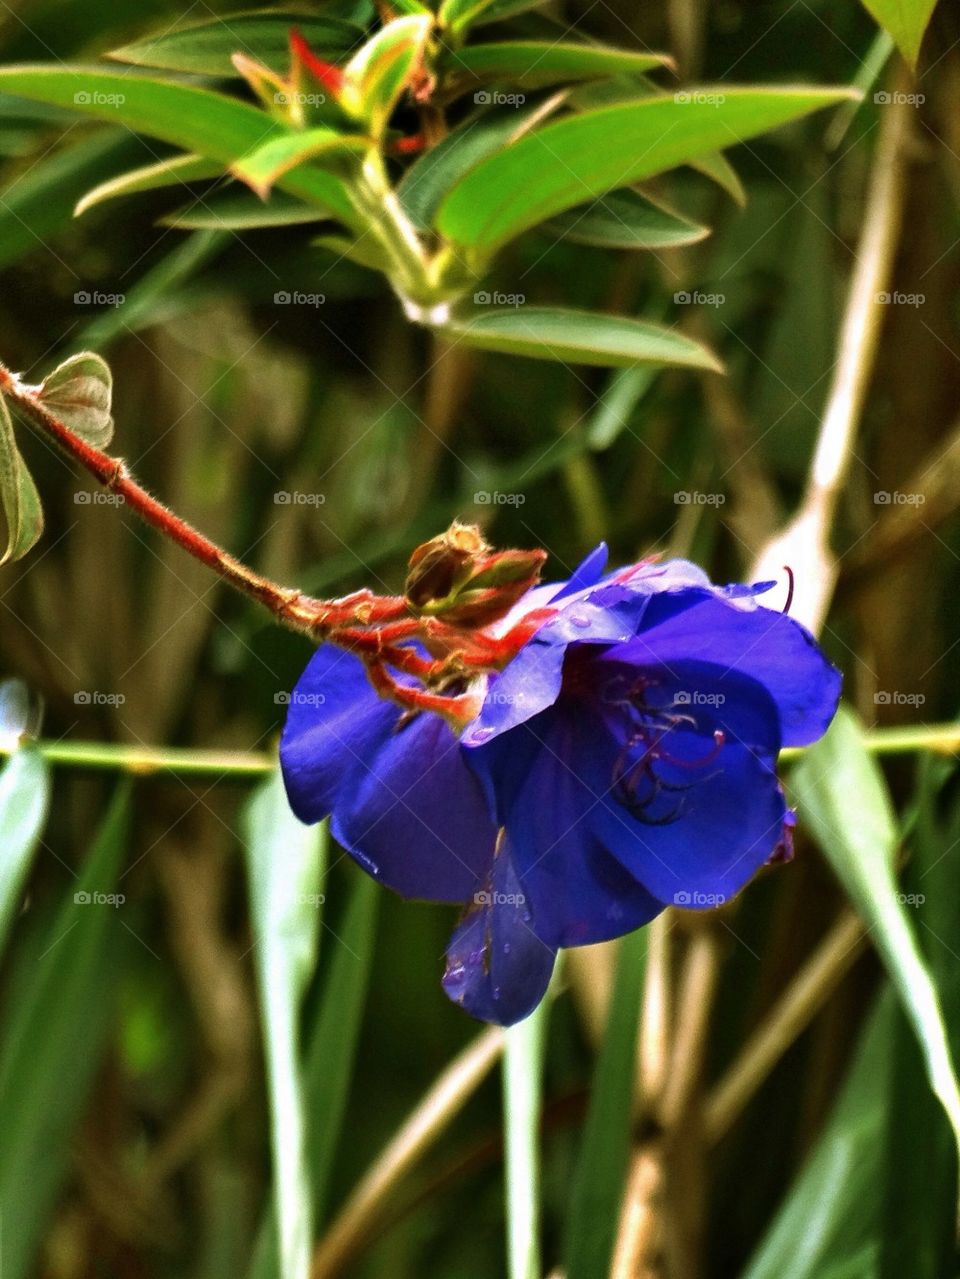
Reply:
x=188, y=761
x=522, y=1086
x=805, y=542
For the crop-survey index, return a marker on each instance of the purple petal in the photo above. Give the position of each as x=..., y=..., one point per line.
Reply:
x=766, y=646
x=414, y=815
x=335, y=719
x=579, y=893
x=498, y=969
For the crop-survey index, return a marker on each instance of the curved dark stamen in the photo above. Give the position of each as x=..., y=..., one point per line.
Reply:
x=637, y=783
x=789, y=572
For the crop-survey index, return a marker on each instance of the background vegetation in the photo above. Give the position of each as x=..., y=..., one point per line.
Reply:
x=145, y=1045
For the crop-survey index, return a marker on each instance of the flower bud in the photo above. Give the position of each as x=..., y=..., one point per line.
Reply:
x=460, y=577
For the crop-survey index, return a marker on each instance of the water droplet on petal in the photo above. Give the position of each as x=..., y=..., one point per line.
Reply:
x=506, y=948
x=481, y=735
x=578, y=620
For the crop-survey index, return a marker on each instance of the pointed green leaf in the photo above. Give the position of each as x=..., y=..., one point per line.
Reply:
x=263, y=166
x=40, y=204
x=377, y=74
x=844, y=800
x=904, y=20
x=832, y=1215
x=613, y=411
x=718, y=168
x=364, y=250
x=52, y=1041
x=241, y=210
x=178, y=170
x=626, y=220
x=197, y=120
x=560, y=165
x=532, y=64
x=580, y=337
x=18, y=494
x=79, y=392
x=332, y=1041
x=459, y=15
x=605, y=1149
x=24, y=799
x=205, y=48
x=285, y=869
x=437, y=171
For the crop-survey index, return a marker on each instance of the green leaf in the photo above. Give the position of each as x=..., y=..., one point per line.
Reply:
x=24, y=799
x=40, y=203
x=564, y=163
x=580, y=337
x=178, y=170
x=830, y=1222
x=626, y=220
x=157, y=295
x=263, y=166
x=718, y=168
x=242, y=211
x=459, y=15
x=377, y=74
x=604, y=1153
x=197, y=120
x=622, y=394
x=52, y=1043
x=205, y=48
x=285, y=868
x=904, y=20
x=919, y=1236
x=18, y=494
x=79, y=392
x=438, y=170
x=333, y=1038
x=365, y=250
x=533, y=64
x=523, y=1054
x=844, y=800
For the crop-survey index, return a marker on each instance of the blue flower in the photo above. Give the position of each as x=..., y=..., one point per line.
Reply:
x=623, y=761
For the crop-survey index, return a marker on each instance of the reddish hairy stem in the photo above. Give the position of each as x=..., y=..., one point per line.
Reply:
x=301, y=612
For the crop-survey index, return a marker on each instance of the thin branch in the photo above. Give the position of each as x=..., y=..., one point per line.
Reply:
x=804, y=998
x=805, y=542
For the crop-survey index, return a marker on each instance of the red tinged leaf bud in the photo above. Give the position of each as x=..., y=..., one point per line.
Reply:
x=301, y=55
x=460, y=577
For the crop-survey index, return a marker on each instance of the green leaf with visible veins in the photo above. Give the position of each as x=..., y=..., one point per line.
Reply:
x=567, y=162
x=18, y=494
x=581, y=337
x=198, y=120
